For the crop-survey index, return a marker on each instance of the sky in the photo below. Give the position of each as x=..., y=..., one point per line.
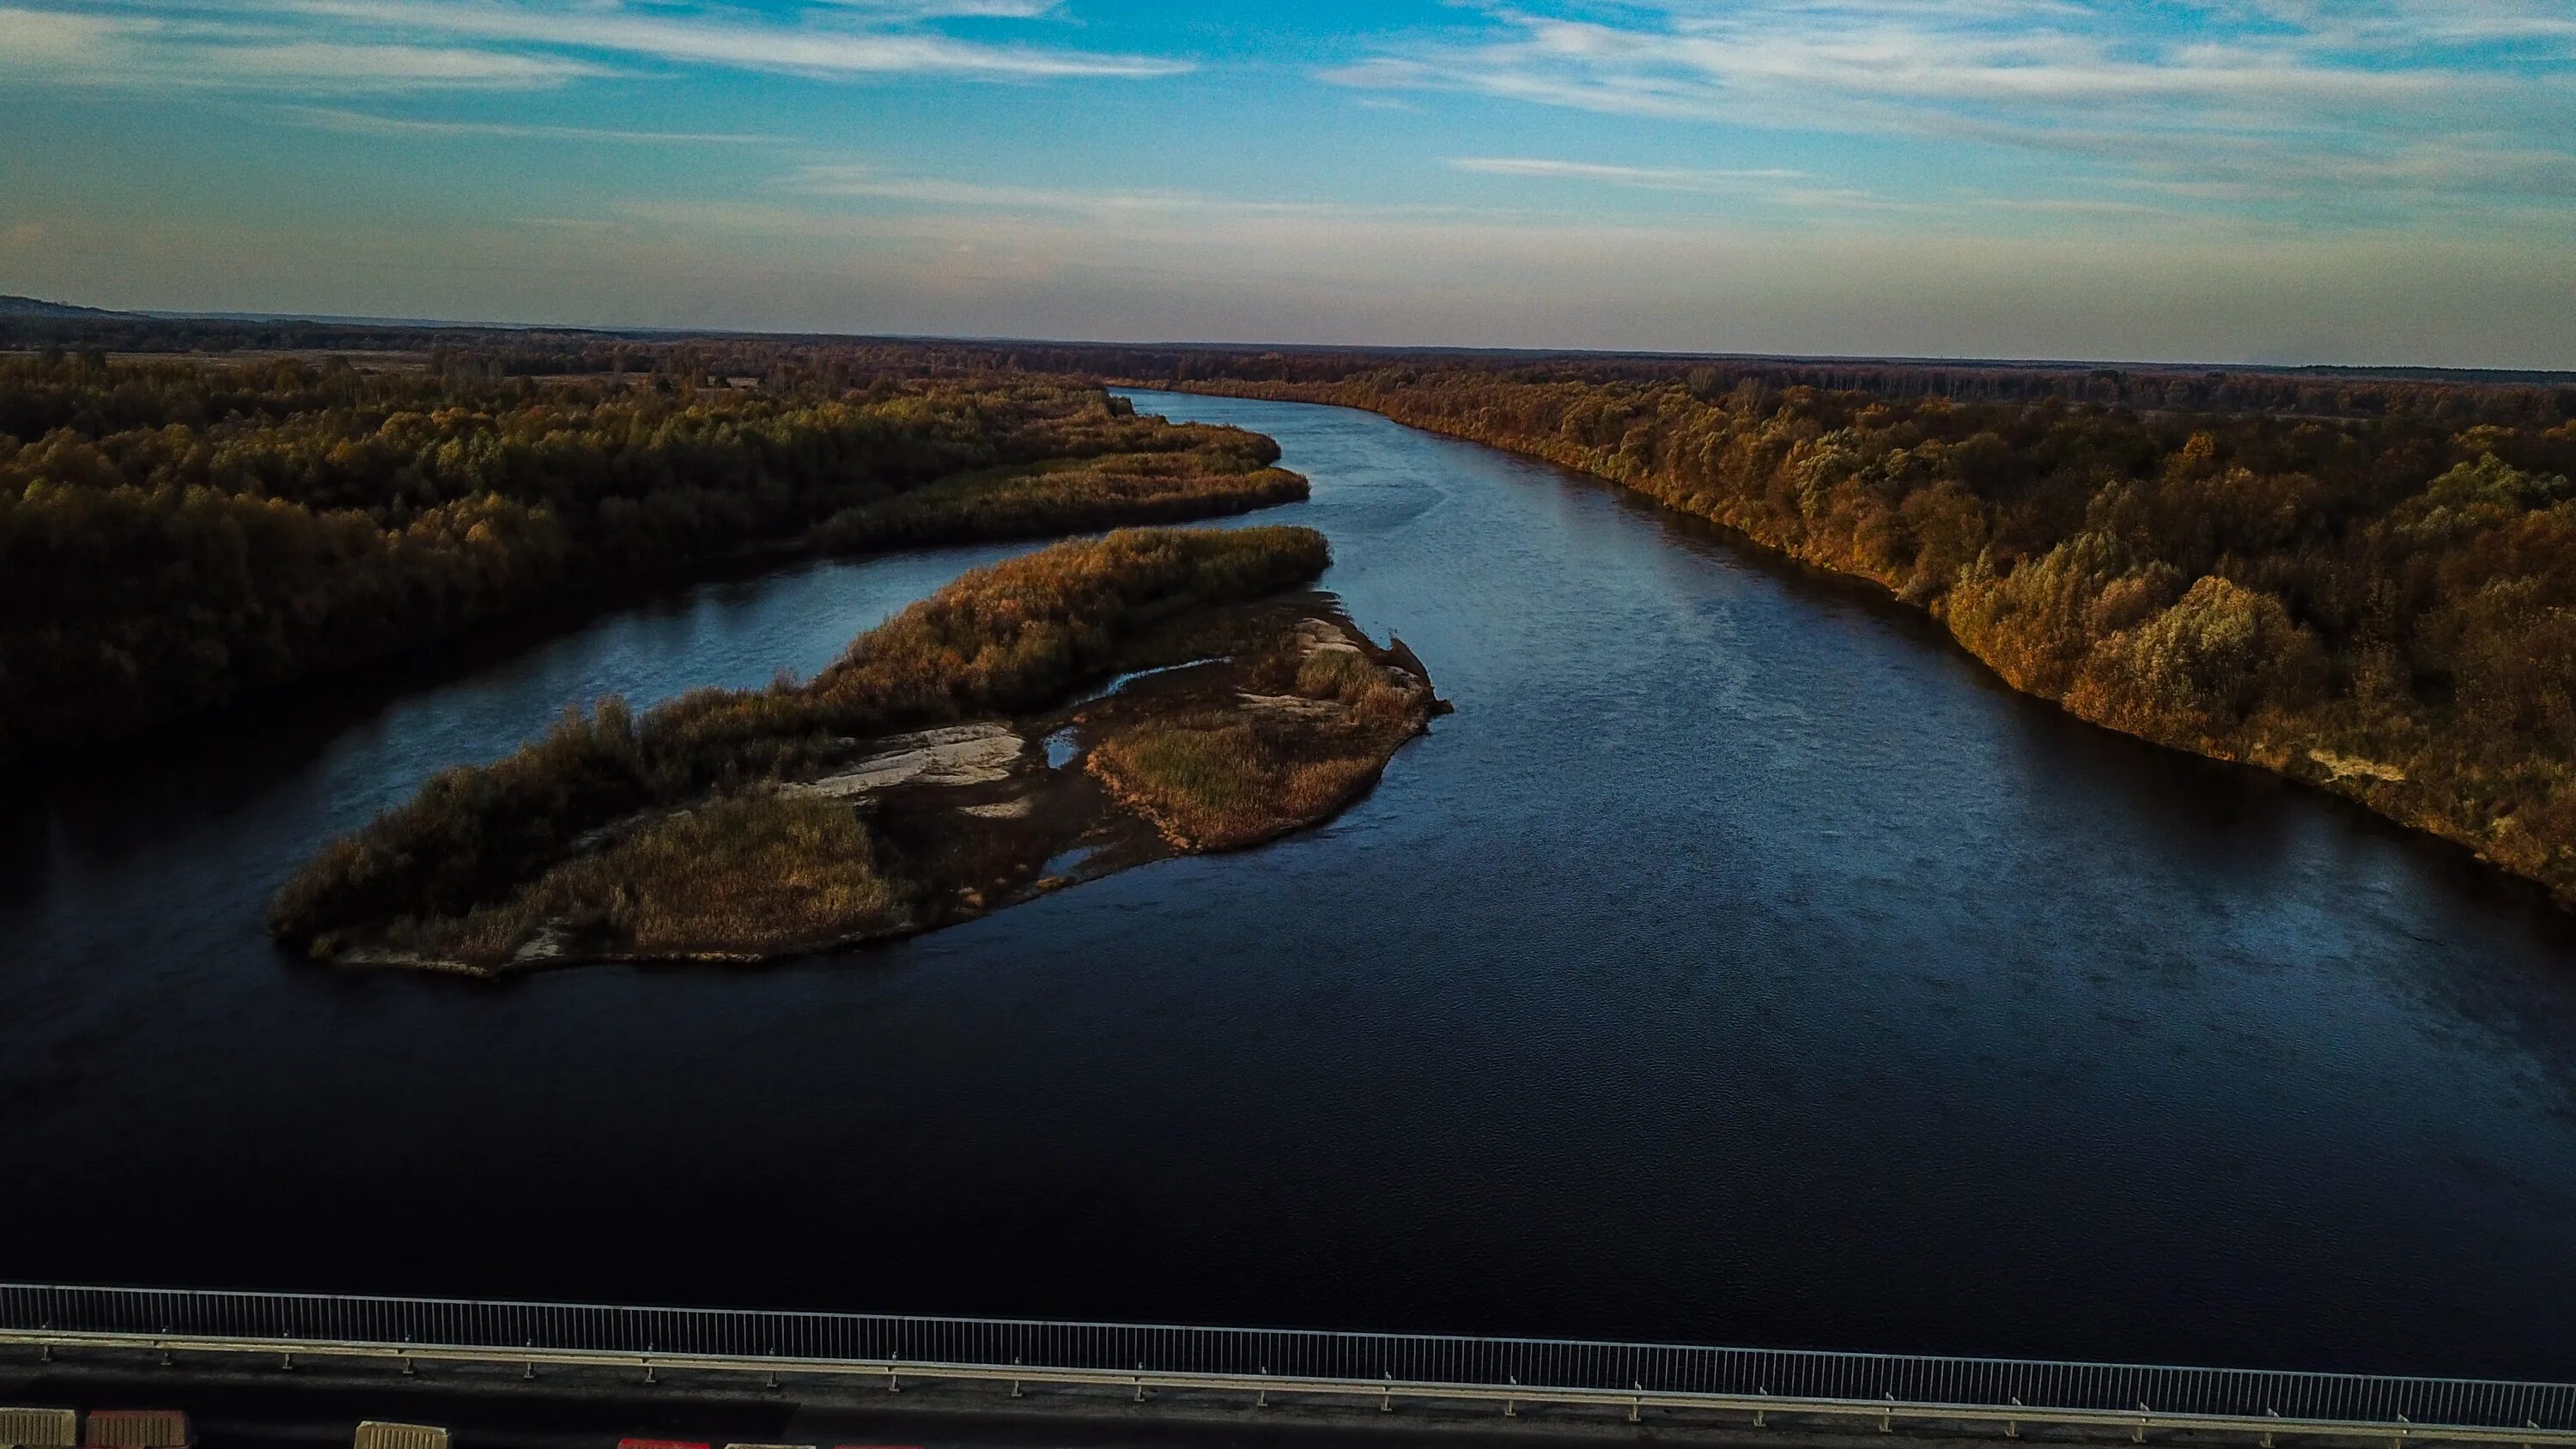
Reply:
x=2350, y=181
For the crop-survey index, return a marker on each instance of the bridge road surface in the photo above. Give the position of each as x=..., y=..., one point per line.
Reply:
x=238, y=1406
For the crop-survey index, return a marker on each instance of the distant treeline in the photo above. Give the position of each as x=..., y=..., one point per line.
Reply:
x=173, y=533
x=2385, y=605
x=2316, y=392
x=777, y=360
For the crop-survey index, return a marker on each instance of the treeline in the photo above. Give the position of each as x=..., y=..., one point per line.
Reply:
x=2385, y=606
x=174, y=533
x=483, y=855
x=2544, y=399
x=2457, y=396
x=1231, y=474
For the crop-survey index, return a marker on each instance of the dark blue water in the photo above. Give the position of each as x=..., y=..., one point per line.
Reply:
x=1740, y=963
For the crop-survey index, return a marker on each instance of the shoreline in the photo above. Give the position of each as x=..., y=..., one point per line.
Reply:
x=2309, y=763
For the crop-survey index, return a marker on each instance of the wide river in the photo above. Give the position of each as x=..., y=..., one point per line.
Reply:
x=1741, y=963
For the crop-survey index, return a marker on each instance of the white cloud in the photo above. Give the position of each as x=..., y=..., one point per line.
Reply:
x=359, y=123
x=160, y=52
x=952, y=9
x=1650, y=178
x=50, y=37
x=718, y=38
x=344, y=46
x=934, y=193
x=2341, y=107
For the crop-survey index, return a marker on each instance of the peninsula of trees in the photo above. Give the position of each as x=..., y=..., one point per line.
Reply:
x=174, y=533
x=944, y=766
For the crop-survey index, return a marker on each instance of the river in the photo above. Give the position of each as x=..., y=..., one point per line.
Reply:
x=1741, y=963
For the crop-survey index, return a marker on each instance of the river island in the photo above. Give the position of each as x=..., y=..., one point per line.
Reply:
x=1040, y=722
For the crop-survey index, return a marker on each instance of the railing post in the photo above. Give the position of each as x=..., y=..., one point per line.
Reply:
x=1760, y=1416
x=1887, y=1417
x=2267, y=1434
x=2139, y=1434
x=1511, y=1408
x=2012, y=1426
x=2398, y=1439
x=1015, y=1383
x=1262, y=1399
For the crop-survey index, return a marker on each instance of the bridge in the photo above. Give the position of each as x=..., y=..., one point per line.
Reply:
x=1743, y=1387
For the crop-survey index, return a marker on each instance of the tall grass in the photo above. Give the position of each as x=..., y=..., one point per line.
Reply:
x=750, y=874
x=1223, y=780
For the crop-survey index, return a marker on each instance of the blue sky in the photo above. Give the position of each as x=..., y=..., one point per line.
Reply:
x=2266, y=180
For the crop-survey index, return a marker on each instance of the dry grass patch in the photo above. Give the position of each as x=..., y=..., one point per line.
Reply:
x=1210, y=784
x=750, y=876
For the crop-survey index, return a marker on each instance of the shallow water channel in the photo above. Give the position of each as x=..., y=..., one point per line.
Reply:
x=1740, y=963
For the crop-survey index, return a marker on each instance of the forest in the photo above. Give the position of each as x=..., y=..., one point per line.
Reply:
x=2362, y=579
x=177, y=531
x=2382, y=603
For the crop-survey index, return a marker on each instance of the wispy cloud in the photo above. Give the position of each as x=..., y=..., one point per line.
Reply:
x=343, y=46
x=360, y=123
x=814, y=45
x=951, y=9
x=163, y=53
x=853, y=180
x=2344, y=106
x=861, y=181
x=1649, y=178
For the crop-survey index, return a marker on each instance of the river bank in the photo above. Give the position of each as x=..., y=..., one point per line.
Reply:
x=2375, y=753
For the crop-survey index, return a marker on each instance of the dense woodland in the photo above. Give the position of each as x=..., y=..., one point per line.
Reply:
x=175, y=532
x=2382, y=603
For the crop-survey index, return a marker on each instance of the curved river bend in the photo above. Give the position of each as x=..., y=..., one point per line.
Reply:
x=1741, y=963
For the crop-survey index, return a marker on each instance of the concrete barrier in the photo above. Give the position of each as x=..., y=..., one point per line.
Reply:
x=39, y=1429
x=377, y=1434
x=137, y=1429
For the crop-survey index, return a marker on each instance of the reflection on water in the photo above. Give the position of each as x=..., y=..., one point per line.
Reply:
x=1061, y=747
x=1739, y=963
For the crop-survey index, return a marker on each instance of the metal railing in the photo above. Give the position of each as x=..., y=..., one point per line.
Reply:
x=1416, y=1365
